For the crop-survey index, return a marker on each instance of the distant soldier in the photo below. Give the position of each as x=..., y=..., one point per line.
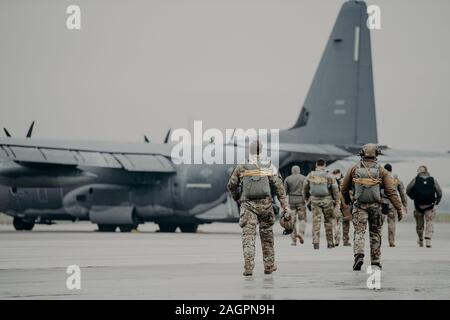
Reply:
x=342, y=215
x=321, y=190
x=294, y=188
x=255, y=178
x=426, y=193
x=389, y=209
x=367, y=178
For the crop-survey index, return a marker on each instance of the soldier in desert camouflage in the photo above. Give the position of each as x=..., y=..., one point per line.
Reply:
x=342, y=215
x=293, y=185
x=367, y=178
x=320, y=188
x=250, y=184
x=391, y=214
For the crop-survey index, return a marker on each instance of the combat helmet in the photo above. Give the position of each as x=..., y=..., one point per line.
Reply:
x=370, y=151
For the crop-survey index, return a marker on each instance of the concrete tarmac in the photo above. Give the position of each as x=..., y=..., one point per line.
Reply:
x=208, y=265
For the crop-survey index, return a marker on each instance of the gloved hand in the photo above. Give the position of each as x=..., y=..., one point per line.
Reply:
x=346, y=213
x=400, y=214
x=308, y=205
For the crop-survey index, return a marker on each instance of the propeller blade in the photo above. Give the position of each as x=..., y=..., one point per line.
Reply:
x=166, y=139
x=146, y=139
x=30, y=131
x=7, y=133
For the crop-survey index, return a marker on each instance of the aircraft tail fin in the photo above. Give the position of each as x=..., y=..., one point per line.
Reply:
x=340, y=105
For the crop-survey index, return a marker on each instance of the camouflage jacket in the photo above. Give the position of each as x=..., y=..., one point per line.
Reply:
x=400, y=187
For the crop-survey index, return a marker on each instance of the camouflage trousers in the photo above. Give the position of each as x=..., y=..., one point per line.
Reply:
x=338, y=221
x=250, y=218
x=322, y=207
x=391, y=222
x=299, y=213
x=424, y=221
x=363, y=214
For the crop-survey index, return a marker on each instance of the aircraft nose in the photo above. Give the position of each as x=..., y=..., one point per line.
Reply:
x=4, y=198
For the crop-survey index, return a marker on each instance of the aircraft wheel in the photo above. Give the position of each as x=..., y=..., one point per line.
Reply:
x=189, y=227
x=128, y=227
x=21, y=224
x=106, y=228
x=167, y=227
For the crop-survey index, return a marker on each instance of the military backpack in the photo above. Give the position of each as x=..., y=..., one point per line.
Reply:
x=423, y=191
x=255, y=181
x=319, y=184
x=367, y=183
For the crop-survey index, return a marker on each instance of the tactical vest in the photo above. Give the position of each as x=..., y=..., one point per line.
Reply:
x=367, y=183
x=318, y=184
x=255, y=181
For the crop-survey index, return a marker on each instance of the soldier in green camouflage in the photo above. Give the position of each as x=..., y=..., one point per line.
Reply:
x=250, y=184
x=391, y=215
x=367, y=178
x=320, y=188
x=293, y=185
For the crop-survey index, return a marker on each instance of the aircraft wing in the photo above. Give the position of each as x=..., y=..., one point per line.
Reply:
x=408, y=160
x=148, y=157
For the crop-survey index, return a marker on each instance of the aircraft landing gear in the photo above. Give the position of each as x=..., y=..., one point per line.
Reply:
x=128, y=227
x=188, y=227
x=167, y=227
x=106, y=228
x=21, y=224
x=171, y=227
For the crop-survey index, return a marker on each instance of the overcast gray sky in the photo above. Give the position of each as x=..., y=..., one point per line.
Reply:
x=140, y=67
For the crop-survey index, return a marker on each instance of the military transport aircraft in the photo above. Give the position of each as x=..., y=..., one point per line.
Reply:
x=120, y=185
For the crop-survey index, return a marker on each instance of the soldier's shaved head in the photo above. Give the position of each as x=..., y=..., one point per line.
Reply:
x=321, y=163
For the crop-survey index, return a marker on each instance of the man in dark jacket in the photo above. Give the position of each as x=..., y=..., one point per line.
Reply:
x=426, y=193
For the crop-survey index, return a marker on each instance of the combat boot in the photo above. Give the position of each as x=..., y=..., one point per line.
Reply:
x=347, y=244
x=376, y=264
x=330, y=246
x=420, y=242
x=392, y=245
x=293, y=243
x=270, y=269
x=301, y=238
x=428, y=243
x=316, y=246
x=247, y=273
x=359, y=260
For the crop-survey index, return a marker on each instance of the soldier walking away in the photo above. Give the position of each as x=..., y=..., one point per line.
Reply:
x=342, y=215
x=250, y=184
x=426, y=193
x=293, y=185
x=321, y=190
x=367, y=178
x=388, y=209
